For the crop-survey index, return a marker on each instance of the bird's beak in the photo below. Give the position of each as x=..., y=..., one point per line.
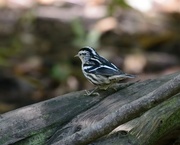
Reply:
x=76, y=55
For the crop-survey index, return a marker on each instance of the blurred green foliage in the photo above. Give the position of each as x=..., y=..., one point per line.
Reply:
x=12, y=48
x=84, y=37
x=60, y=72
x=79, y=32
x=114, y=4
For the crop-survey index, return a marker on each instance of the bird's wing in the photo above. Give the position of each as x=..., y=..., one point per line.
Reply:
x=101, y=66
x=104, y=70
x=104, y=61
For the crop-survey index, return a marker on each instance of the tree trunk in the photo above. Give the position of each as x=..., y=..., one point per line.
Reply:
x=141, y=113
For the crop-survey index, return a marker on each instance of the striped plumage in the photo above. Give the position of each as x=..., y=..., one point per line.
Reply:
x=99, y=70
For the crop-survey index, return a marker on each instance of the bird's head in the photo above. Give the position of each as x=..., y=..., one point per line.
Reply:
x=86, y=53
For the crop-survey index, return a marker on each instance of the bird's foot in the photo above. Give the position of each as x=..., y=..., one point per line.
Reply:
x=92, y=93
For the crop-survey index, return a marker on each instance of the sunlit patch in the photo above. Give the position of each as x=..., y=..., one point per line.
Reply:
x=142, y=5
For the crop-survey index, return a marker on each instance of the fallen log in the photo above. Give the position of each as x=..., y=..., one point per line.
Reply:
x=139, y=113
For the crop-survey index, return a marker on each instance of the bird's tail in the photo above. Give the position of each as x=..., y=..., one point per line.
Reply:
x=130, y=76
x=121, y=77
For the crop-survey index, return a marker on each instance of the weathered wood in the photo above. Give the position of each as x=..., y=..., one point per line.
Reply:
x=149, y=127
x=50, y=121
x=31, y=121
x=123, y=114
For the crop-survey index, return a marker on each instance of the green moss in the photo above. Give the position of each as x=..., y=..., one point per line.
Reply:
x=157, y=122
x=167, y=125
x=38, y=138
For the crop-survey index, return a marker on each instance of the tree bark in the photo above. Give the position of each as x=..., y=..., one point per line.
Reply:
x=78, y=119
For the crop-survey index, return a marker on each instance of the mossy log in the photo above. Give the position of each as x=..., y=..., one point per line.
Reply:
x=140, y=113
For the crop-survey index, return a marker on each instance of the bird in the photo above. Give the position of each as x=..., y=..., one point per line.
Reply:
x=98, y=70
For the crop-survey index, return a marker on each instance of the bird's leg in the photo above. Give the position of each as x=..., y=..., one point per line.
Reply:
x=114, y=83
x=104, y=87
x=113, y=86
x=89, y=93
x=118, y=85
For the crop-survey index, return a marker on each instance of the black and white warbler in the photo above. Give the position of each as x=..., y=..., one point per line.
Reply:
x=99, y=70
